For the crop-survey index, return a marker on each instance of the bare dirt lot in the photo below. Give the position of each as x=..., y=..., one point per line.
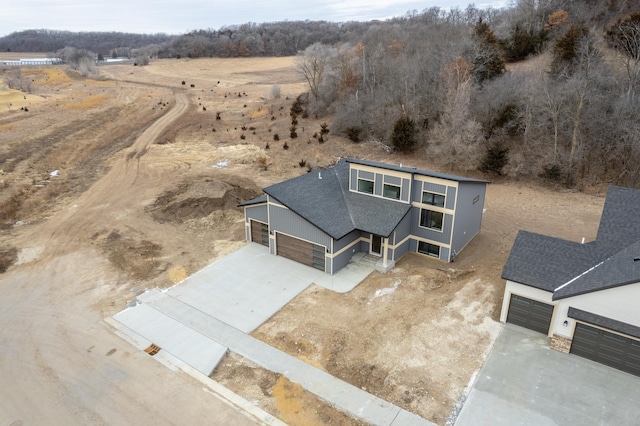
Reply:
x=129, y=180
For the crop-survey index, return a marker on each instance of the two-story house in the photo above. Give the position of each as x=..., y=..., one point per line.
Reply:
x=323, y=218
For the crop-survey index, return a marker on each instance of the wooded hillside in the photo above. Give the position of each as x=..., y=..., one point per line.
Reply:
x=544, y=89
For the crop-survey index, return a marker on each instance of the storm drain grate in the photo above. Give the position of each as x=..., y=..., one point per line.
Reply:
x=153, y=349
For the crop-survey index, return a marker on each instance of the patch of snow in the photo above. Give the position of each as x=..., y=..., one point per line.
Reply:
x=29, y=254
x=385, y=291
x=55, y=173
x=221, y=164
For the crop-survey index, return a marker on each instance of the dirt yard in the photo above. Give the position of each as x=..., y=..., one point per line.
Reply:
x=130, y=180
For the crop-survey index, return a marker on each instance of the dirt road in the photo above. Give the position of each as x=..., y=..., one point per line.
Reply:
x=59, y=363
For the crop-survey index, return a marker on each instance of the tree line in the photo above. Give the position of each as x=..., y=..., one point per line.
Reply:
x=543, y=89
x=51, y=41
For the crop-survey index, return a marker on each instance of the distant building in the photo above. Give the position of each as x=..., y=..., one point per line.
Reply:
x=33, y=61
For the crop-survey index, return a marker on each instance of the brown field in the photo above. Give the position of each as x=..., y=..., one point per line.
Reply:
x=130, y=210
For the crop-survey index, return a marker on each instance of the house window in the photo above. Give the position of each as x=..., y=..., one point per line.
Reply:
x=433, y=199
x=431, y=219
x=391, y=191
x=365, y=186
x=429, y=249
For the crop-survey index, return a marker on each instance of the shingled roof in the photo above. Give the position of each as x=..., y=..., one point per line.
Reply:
x=569, y=269
x=323, y=199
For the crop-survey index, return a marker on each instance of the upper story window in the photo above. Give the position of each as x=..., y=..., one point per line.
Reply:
x=433, y=199
x=431, y=219
x=391, y=191
x=365, y=186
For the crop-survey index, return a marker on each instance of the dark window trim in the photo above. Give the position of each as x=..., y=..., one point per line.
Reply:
x=373, y=186
x=422, y=212
x=433, y=196
x=435, y=254
x=384, y=185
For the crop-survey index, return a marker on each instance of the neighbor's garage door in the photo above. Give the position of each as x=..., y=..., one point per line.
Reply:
x=530, y=313
x=607, y=348
x=301, y=251
x=260, y=233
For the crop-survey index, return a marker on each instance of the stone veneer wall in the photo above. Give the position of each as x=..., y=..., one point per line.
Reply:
x=561, y=343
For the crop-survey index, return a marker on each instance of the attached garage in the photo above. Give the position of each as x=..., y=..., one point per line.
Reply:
x=530, y=313
x=301, y=251
x=260, y=233
x=614, y=350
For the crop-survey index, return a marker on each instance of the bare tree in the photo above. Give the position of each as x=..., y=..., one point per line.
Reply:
x=624, y=36
x=312, y=65
x=456, y=136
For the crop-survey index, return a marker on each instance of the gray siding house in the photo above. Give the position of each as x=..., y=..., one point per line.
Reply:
x=323, y=218
x=585, y=297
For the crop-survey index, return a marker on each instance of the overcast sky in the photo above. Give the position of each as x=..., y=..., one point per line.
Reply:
x=180, y=16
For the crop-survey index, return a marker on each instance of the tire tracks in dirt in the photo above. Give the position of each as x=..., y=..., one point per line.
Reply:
x=114, y=192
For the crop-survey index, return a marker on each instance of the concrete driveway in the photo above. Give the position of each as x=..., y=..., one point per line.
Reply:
x=193, y=324
x=241, y=290
x=524, y=382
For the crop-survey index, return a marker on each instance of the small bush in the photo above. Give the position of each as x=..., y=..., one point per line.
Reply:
x=404, y=136
x=494, y=160
x=262, y=161
x=302, y=163
x=353, y=133
x=276, y=137
x=552, y=172
x=292, y=132
x=242, y=136
x=285, y=146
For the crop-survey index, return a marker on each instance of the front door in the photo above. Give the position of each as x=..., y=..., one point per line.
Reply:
x=376, y=245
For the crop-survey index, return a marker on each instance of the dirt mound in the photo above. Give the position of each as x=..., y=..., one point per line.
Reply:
x=200, y=197
x=139, y=259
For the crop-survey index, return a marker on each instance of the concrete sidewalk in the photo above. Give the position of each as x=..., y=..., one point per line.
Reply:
x=336, y=392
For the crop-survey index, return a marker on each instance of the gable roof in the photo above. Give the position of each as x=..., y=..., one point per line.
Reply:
x=569, y=269
x=323, y=199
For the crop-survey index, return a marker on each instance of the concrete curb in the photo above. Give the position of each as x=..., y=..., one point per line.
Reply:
x=212, y=387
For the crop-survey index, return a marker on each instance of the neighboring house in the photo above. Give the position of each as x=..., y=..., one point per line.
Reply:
x=586, y=297
x=324, y=217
